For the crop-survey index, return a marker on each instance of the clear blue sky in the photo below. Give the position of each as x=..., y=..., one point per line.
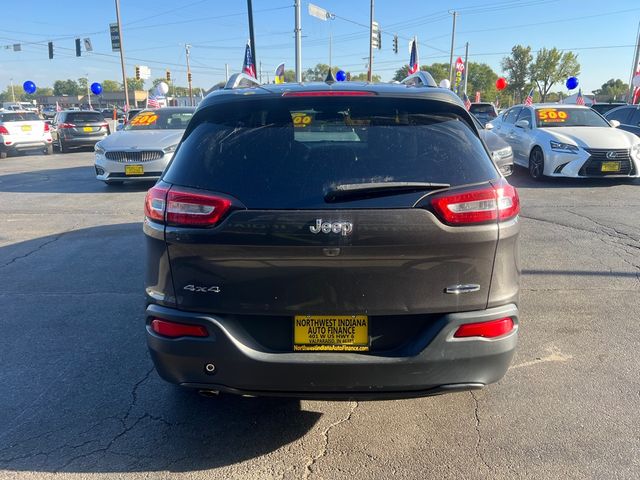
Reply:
x=155, y=31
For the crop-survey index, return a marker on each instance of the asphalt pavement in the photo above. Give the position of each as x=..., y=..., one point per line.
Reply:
x=79, y=397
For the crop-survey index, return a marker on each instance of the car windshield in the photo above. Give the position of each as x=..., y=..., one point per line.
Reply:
x=300, y=149
x=568, y=117
x=160, y=120
x=19, y=117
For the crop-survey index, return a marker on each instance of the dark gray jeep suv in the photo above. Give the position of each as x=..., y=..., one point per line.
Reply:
x=344, y=240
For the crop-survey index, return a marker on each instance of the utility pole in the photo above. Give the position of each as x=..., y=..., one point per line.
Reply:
x=13, y=94
x=466, y=66
x=124, y=72
x=252, y=39
x=453, y=38
x=187, y=48
x=634, y=67
x=298, y=33
x=89, y=93
x=370, y=70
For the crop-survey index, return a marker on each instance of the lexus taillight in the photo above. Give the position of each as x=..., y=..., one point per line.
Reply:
x=66, y=125
x=491, y=329
x=185, y=208
x=3, y=130
x=498, y=202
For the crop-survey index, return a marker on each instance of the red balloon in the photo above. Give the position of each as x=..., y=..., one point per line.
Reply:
x=501, y=83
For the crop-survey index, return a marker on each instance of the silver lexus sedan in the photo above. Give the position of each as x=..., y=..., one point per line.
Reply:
x=143, y=149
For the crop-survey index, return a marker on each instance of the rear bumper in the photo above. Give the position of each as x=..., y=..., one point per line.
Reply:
x=21, y=145
x=80, y=141
x=429, y=365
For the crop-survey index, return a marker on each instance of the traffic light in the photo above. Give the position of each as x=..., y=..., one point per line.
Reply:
x=50, y=50
x=379, y=39
x=395, y=44
x=168, y=76
x=78, y=50
x=137, y=72
x=189, y=77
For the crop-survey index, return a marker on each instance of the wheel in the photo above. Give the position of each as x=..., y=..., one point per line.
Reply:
x=61, y=147
x=3, y=154
x=536, y=164
x=48, y=149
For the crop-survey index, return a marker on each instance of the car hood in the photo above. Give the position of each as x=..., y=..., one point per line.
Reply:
x=141, y=139
x=592, y=137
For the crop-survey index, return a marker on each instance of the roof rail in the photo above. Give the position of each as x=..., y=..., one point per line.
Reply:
x=420, y=79
x=241, y=80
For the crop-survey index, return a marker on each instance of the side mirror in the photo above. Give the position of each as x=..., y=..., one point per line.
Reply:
x=614, y=123
x=488, y=126
x=522, y=124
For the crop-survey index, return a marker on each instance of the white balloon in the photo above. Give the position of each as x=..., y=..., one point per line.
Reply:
x=162, y=88
x=445, y=83
x=636, y=81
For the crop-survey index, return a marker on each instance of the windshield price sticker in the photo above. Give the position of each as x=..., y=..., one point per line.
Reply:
x=144, y=119
x=301, y=119
x=552, y=115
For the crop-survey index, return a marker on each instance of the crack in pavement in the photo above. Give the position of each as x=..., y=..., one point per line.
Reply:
x=476, y=412
x=325, y=437
x=40, y=247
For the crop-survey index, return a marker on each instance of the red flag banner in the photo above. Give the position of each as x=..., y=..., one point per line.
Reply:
x=477, y=97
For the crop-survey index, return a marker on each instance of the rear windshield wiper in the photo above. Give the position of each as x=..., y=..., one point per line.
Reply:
x=376, y=189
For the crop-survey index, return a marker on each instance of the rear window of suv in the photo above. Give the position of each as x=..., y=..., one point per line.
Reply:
x=85, y=117
x=19, y=117
x=289, y=152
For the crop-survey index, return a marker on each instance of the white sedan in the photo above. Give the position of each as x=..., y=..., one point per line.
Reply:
x=568, y=141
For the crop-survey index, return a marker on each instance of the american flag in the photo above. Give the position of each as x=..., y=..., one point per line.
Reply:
x=152, y=102
x=467, y=102
x=248, y=67
x=580, y=98
x=414, y=65
x=529, y=100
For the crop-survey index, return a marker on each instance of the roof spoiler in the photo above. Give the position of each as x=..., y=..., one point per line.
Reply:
x=420, y=79
x=241, y=80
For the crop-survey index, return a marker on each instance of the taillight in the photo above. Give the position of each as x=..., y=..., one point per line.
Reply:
x=46, y=127
x=66, y=125
x=185, y=208
x=155, y=202
x=3, y=130
x=499, y=202
x=174, y=329
x=491, y=329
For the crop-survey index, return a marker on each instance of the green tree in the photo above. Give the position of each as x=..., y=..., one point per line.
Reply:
x=612, y=90
x=318, y=73
x=550, y=67
x=19, y=93
x=134, y=84
x=362, y=77
x=289, y=76
x=65, y=87
x=439, y=71
x=111, y=86
x=482, y=79
x=516, y=67
x=44, y=91
x=82, y=85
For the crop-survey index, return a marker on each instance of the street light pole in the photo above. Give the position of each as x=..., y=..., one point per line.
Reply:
x=370, y=71
x=298, y=33
x=124, y=72
x=89, y=93
x=453, y=38
x=186, y=48
x=13, y=94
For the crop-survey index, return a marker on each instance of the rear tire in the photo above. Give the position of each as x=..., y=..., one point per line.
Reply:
x=61, y=147
x=536, y=164
x=48, y=149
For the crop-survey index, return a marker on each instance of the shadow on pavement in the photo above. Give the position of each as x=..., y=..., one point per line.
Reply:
x=521, y=179
x=65, y=180
x=79, y=392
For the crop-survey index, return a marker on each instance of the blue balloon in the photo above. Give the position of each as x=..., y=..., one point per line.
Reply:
x=341, y=76
x=29, y=87
x=96, y=88
x=572, y=82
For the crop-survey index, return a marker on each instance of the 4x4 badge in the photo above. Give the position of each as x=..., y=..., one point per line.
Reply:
x=344, y=228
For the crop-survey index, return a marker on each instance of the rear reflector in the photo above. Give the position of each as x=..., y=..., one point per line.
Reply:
x=184, y=208
x=489, y=204
x=330, y=93
x=492, y=329
x=174, y=330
